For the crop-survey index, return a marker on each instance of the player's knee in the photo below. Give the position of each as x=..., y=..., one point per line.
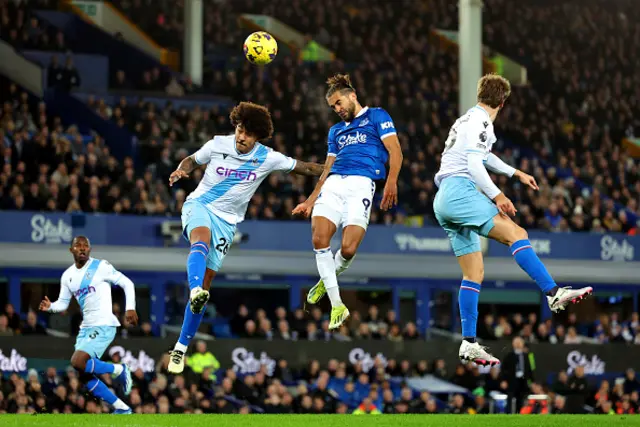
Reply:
x=348, y=250
x=320, y=240
x=475, y=276
x=518, y=233
x=78, y=362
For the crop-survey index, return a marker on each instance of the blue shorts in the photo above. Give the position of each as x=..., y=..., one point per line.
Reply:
x=95, y=340
x=464, y=213
x=195, y=214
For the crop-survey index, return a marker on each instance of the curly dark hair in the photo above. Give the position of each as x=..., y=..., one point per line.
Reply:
x=255, y=119
x=339, y=83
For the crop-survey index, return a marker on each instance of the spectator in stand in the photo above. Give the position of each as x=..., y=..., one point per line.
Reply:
x=516, y=370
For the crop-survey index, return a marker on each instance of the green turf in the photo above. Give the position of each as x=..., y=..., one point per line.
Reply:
x=317, y=420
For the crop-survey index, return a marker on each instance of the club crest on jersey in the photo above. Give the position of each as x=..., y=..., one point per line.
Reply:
x=364, y=122
x=254, y=161
x=357, y=138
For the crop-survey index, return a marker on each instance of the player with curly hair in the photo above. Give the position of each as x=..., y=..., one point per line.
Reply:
x=236, y=165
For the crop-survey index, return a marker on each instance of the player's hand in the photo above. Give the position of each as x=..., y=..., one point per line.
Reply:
x=303, y=209
x=131, y=317
x=45, y=304
x=505, y=206
x=389, y=196
x=527, y=179
x=177, y=175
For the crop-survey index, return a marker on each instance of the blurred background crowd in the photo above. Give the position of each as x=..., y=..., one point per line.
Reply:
x=389, y=387
x=565, y=127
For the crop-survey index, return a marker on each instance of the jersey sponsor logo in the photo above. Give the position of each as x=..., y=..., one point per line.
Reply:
x=387, y=125
x=84, y=291
x=357, y=138
x=237, y=173
x=46, y=230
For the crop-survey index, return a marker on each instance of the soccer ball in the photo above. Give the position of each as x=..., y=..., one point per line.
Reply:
x=260, y=48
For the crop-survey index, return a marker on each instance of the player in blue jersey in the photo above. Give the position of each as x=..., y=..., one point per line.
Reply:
x=359, y=148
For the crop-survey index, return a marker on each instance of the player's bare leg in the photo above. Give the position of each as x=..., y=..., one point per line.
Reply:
x=509, y=233
x=472, y=266
x=200, y=239
x=352, y=236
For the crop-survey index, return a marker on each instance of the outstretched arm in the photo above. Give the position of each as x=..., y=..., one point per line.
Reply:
x=308, y=168
x=186, y=166
x=305, y=208
x=496, y=165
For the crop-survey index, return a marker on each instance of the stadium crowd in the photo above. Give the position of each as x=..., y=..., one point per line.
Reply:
x=339, y=387
x=374, y=325
x=423, y=113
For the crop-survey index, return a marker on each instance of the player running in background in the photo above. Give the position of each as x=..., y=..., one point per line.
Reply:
x=236, y=165
x=464, y=212
x=359, y=148
x=89, y=280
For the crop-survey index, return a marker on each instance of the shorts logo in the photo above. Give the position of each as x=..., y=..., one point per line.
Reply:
x=242, y=175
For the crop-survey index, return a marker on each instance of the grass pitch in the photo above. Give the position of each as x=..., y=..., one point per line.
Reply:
x=318, y=420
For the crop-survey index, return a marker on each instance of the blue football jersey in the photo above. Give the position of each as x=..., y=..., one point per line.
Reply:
x=358, y=145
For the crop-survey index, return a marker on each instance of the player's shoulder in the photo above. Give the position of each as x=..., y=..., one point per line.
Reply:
x=479, y=117
x=68, y=272
x=378, y=111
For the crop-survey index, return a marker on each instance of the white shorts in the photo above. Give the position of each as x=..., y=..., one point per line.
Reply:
x=346, y=200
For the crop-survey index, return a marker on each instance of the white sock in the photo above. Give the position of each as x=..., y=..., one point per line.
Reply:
x=180, y=347
x=341, y=263
x=327, y=270
x=117, y=369
x=119, y=404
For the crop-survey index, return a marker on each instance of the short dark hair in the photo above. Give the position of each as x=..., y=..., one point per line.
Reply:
x=493, y=90
x=339, y=83
x=255, y=119
x=80, y=237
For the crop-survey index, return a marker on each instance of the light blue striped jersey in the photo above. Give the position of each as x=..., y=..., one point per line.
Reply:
x=232, y=178
x=91, y=287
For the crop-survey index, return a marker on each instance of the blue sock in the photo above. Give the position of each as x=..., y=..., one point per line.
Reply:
x=527, y=259
x=98, y=367
x=100, y=390
x=197, y=264
x=468, y=301
x=190, y=325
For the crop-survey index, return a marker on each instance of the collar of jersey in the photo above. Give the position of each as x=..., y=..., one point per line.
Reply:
x=85, y=264
x=364, y=110
x=255, y=147
x=482, y=109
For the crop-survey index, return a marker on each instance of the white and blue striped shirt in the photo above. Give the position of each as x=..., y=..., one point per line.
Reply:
x=232, y=178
